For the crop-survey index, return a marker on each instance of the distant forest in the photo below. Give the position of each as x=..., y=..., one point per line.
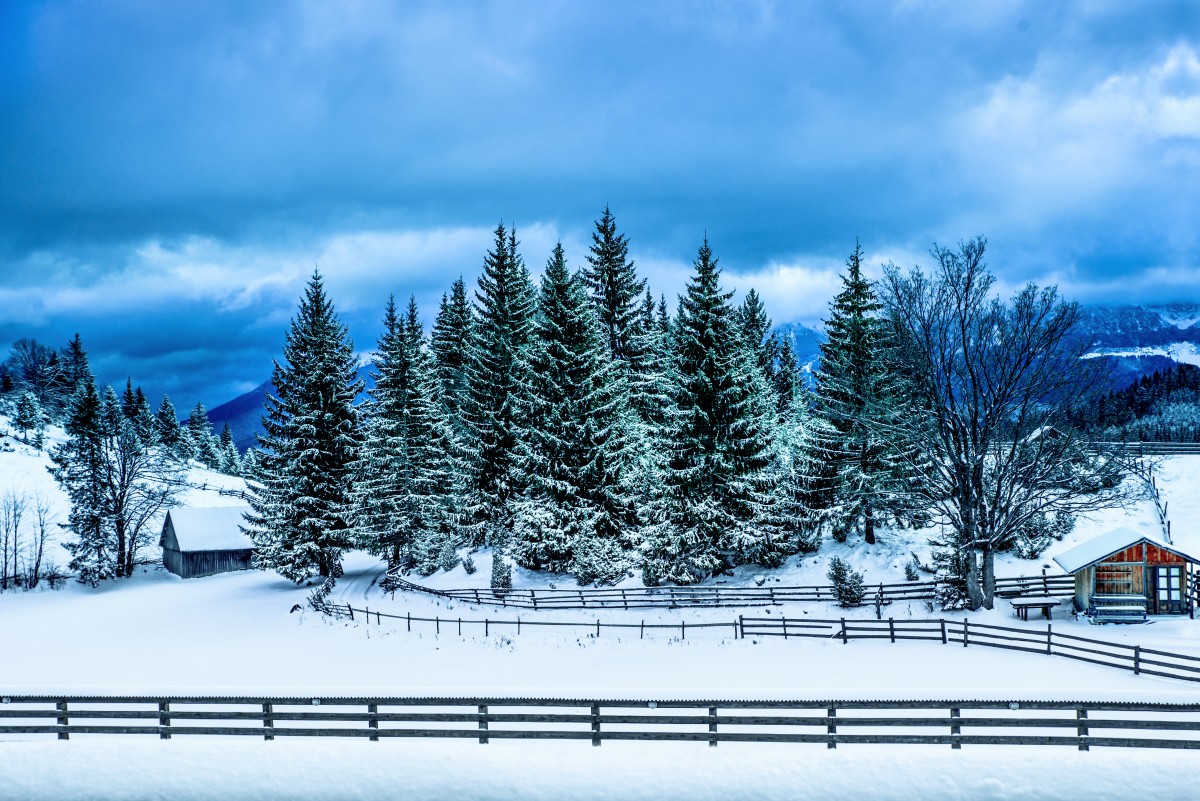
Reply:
x=1161, y=407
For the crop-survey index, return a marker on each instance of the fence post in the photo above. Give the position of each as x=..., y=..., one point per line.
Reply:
x=437, y=625
x=164, y=719
x=845, y=636
x=1049, y=639
x=367, y=611
x=595, y=724
x=624, y=600
x=831, y=730
x=483, y=724
x=477, y=601
x=892, y=628
x=712, y=727
x=683, y=629
x=409, y=616
x=268, y=722
x=1137, y=660
x=783, y=620
x=373, y=721
x=1081, y=716
x=943, y=631
x=642, y=631
x=460, y=627
x=518, y=625
x=735, y=630
x=486, y=627
x=966, y=625
x=350, y=609
x=597, y=628
x=741, y=623
x=63, y=720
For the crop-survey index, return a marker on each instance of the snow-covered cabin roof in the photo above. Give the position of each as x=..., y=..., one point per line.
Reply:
x=1115, y=541
x=210, y=528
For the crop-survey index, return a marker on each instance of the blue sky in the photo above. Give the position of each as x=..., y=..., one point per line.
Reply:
x=170, y=173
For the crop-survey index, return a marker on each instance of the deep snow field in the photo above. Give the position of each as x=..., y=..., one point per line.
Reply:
x=237, y=634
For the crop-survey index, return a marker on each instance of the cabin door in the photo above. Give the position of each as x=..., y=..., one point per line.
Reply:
x=1166, y=594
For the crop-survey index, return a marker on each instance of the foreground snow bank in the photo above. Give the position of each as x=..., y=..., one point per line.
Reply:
x=218, y=770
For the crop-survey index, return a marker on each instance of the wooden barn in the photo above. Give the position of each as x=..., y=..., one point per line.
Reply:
x=1123, y=575
x=204, y=541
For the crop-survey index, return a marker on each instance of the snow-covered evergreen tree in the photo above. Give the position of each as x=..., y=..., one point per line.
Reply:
x=450, y=341
x=573, y=514
x=751, y=318
x=298, y=522
x=852, y=386
x=169, y=432
x=504, y=327
x=406, y=488
x=29, y=415
x=719, y=479
x=615, y=288
x=79, y=468
x=205, y=448
x=229, y=460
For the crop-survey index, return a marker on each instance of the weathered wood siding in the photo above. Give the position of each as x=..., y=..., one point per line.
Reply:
x=195, y=564
x=1083, y=588
x=1161, y=556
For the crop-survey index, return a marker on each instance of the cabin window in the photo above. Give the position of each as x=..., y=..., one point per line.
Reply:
x=1168, y=589
x=1114, y=579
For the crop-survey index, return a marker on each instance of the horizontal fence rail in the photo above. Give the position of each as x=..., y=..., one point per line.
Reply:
x=1151, y=448
x=832, y=723
x=1049, y=642
x=672, y=597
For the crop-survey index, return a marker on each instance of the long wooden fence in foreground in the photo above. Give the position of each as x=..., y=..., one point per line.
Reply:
x=832, y=723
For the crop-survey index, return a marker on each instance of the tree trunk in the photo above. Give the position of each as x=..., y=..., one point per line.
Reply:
x=868, y=524
x=989, y=577
x=974, y=592
x=120, y=530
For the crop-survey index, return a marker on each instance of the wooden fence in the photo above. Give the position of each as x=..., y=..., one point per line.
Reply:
x=1136, y=658
x=832, y=723
x=673, y=597
x=1106, y=653
x=1151, y=448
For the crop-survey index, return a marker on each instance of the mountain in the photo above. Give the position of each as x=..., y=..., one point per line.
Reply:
x=244, y=413
x=1140, y=340
x=806, y=342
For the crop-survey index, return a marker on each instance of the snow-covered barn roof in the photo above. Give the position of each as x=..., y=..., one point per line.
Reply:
x=1099, y=548
x=210, y=528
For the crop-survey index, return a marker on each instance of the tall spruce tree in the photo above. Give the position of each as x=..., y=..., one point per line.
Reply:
x=298, y=522
x=404, y=488
x=450, y=341
x=205, y=447
x=504, y=327
x=573, y=515
x=719, y=509
x=755, y=326
x=166, y=420
x=79, y=468
x=615, y=288
x=852, y=387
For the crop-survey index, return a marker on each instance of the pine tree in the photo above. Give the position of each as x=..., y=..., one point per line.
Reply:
x=79, y=468
x=230, y=461
x=852, y=386
x=719, y=505
x=405, y=491
x=504, y=326
x=450, y=342
x=615, y=288
x=573, y=515
x=755, y=326
x=204, y=444
x=74, y=375
x=29, y=415
x=804, y=443
x=298, y=522
x=168, y=430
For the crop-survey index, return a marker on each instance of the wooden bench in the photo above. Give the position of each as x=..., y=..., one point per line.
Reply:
x=1022, y=605
x=1118, y=609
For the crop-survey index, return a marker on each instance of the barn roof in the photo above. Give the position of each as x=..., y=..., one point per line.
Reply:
x=210, y=528
x=1099, y=548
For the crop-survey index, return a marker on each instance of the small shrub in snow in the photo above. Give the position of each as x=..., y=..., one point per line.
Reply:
x=847, y=584
x=501, y=574
x=469, y=564
x=448, y=555
x=912, y=570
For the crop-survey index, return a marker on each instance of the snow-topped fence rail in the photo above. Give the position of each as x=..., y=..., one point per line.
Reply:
x=832, y=723
x=1106, y=653
x=672, y=597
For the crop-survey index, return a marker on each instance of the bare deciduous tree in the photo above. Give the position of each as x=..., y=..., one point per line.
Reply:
x=12, y=510
x=989, y=443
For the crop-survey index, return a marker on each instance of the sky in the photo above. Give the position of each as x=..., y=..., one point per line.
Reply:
x=172, y=173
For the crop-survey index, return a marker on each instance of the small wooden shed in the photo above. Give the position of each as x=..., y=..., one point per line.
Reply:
x=1126, y=574
x=204, y=541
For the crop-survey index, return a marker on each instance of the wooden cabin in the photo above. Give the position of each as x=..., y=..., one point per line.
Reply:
x=204, y=541
x=1126, y=574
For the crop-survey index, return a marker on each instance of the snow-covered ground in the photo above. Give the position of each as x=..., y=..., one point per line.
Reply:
x=237, y=633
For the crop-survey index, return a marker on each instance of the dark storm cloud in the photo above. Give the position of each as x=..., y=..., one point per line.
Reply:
x=172, y=172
